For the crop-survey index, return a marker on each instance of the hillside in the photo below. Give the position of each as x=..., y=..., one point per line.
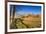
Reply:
x=26, y=21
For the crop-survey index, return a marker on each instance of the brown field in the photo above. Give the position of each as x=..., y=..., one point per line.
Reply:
x=29, y=21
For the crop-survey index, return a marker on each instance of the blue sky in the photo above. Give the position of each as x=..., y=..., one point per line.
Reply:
x=26, y=9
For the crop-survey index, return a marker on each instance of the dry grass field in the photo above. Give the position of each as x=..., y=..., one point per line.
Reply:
x=29, y=21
